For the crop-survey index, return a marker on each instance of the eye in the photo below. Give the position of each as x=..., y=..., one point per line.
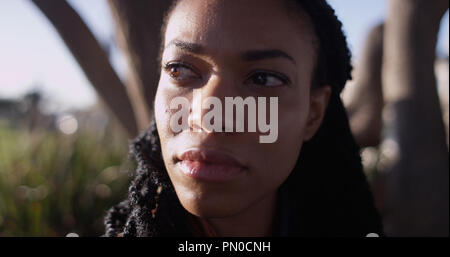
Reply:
x=267, y=79
x=180, y=72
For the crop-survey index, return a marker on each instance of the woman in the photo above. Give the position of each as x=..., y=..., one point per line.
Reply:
x=308, y=182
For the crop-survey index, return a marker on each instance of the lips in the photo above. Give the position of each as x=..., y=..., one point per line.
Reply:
x=209, y=165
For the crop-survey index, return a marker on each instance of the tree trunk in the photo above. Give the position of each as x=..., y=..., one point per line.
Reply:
x=92, y=59
x=138, y=26
x=418, y=182
x=363, y=96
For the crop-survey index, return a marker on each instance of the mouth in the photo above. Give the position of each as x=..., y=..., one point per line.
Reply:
x=208, y=165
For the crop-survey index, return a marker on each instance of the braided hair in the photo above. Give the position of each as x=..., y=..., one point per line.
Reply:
x=327, y=191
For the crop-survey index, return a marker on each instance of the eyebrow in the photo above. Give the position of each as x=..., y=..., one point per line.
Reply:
x=256, y=55
x=250, y=55
x=190, y=47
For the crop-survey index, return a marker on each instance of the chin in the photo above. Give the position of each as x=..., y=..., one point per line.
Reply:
x=210, y=205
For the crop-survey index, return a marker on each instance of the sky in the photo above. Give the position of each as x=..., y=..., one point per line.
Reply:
x=31, y=50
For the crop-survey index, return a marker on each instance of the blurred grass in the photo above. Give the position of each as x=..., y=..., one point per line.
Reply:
x=52, y=184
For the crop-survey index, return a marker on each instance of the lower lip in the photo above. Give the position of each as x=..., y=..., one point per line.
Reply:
x=209, y=171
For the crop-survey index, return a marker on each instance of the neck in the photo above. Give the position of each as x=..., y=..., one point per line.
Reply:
x=255, y=221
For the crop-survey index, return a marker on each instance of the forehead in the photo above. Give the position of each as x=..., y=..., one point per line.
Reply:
x=228, y=26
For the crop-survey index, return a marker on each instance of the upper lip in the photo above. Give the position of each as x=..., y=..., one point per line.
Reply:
x=212, y=156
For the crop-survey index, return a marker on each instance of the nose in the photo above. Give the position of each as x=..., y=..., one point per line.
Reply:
x=207, y=105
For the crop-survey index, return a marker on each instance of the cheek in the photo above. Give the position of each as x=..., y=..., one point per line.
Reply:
x=164, y=95
x=273, y=163
x=279, y=159
x=293, y=116
x=162, y=118
x=161, y=108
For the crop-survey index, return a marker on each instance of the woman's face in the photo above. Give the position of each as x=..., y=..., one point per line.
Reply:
x=250, y=48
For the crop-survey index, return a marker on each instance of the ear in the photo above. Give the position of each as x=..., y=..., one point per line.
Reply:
x=318, y=104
